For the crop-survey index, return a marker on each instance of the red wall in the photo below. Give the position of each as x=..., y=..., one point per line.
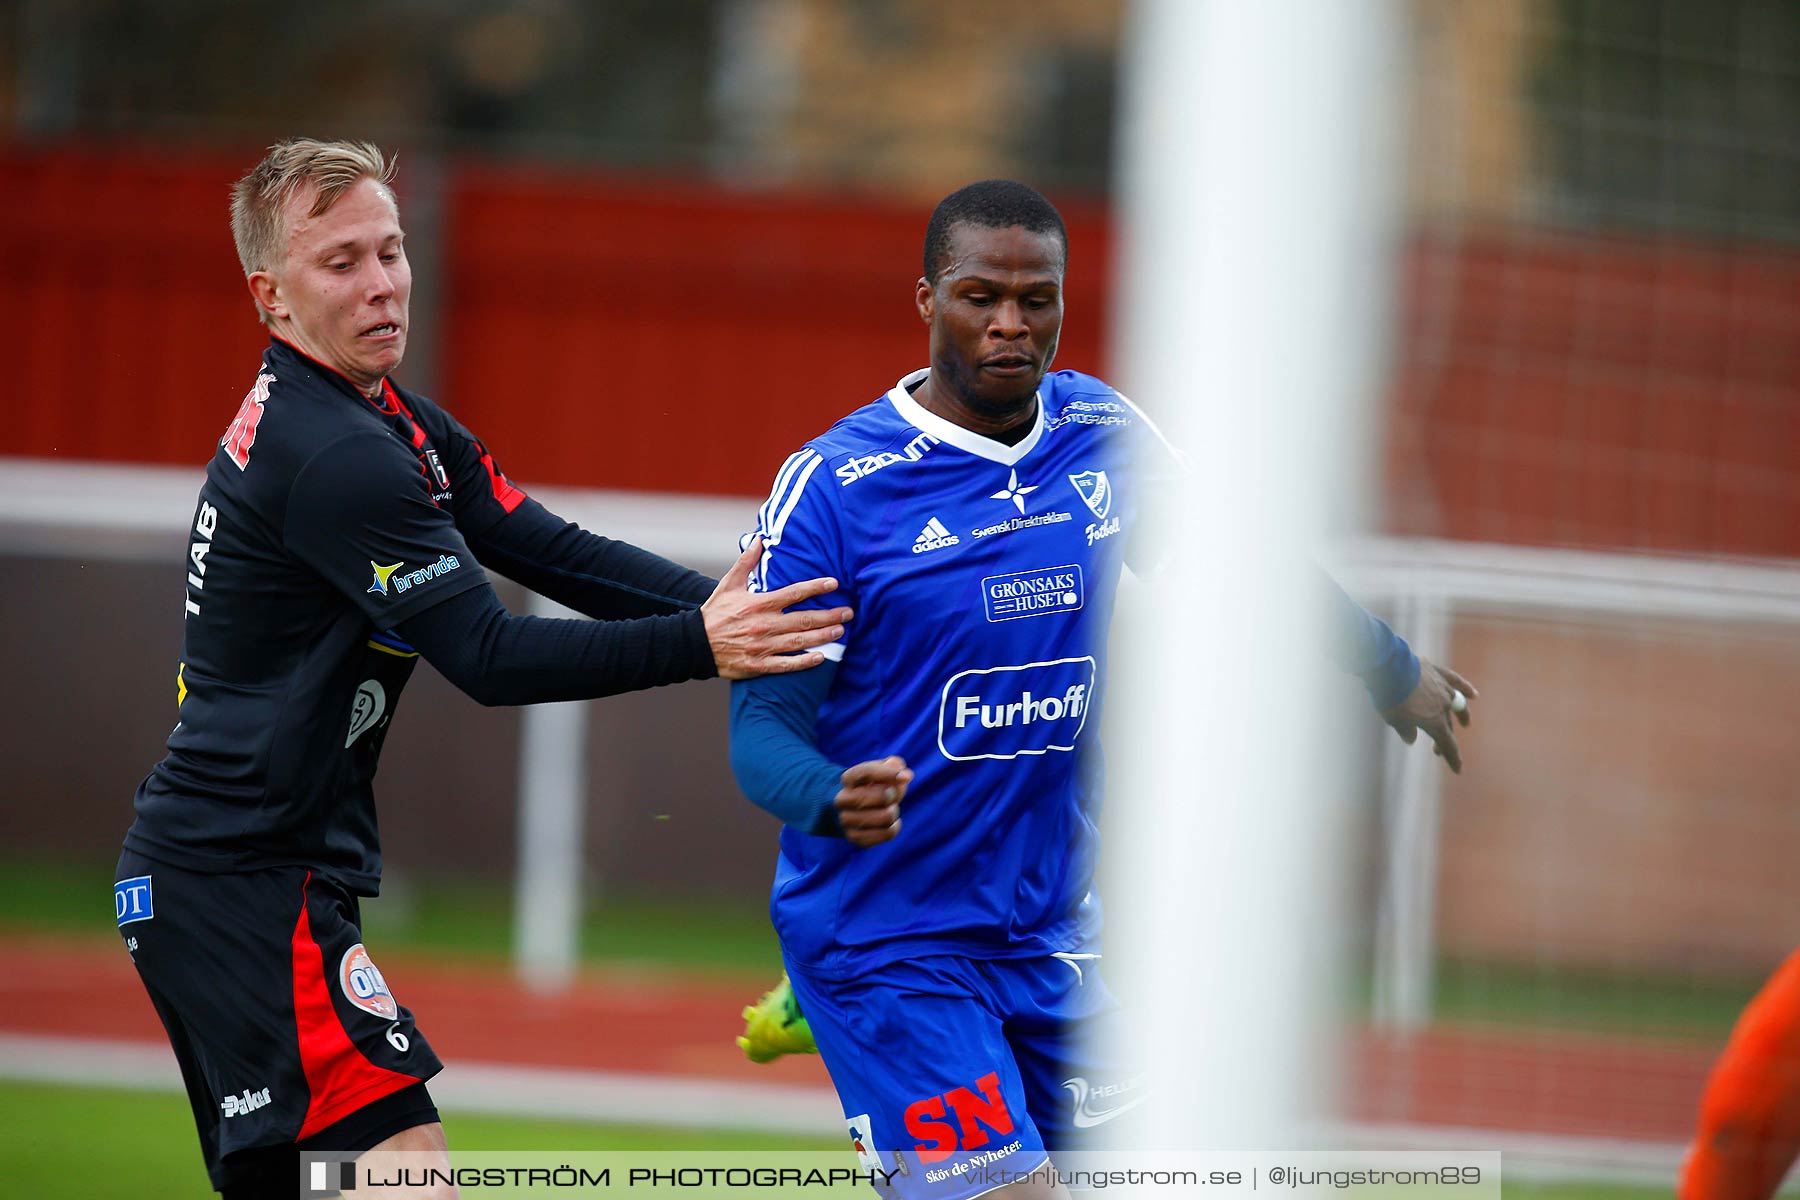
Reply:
x=125, y=328
x=675, y=338
x=1557, y=390
x=1599, y=392
x=595, y=333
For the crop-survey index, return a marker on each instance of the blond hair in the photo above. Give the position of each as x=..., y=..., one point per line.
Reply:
x=260, y=197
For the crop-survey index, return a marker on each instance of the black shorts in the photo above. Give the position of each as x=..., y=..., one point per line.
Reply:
x=285, y=1030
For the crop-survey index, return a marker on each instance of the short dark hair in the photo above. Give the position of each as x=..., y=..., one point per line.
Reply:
x=990, y=204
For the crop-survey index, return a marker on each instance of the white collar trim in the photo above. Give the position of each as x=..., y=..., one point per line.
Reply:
x=922, y=418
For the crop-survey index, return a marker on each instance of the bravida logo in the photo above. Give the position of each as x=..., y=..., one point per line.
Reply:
x=387, y=582
x=979, y=1115
x=382, y=575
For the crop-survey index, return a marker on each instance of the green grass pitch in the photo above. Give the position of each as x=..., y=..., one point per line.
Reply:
x=96, y=1144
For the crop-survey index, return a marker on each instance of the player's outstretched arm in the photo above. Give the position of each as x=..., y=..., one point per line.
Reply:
x=496, y=658
x=1364, y=646
x=1410, y=692
x=599, y=577
x=752, y=635
x=1435, y=705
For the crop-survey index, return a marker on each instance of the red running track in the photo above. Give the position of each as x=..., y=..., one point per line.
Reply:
x=628, y=1020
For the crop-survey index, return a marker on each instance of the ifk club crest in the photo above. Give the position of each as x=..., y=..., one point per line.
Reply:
x=1095, y=491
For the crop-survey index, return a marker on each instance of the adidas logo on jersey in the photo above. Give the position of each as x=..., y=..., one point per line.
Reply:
x=934, y=537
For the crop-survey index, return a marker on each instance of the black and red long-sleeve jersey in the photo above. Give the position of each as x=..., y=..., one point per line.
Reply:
x=326, y=522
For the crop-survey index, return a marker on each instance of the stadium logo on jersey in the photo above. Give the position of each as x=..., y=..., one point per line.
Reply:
x=366, y=709
x=240, y=435
x=1098, y=1105
x=362, y=984
x=388, y=583
x=934, y=537
x=861, y=466
x=1015, y=491
x=247, y=1102
x=1006, y=712
x=132, y=900
x=1095, y=491
x=1033, y=593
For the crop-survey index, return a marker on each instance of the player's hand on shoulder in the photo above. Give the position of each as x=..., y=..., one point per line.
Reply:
x=1433, y=708
x=751, y=633
x=868, y=803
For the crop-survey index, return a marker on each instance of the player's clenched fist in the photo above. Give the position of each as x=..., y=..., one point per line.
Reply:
x=868, y=805
x=752, y=635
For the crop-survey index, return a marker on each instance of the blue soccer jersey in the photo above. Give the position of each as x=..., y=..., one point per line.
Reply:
x=983, y=577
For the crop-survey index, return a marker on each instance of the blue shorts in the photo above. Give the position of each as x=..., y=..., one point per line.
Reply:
x=955, y=1071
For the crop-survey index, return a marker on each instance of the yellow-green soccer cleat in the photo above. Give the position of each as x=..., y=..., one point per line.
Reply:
x=773, y=1026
